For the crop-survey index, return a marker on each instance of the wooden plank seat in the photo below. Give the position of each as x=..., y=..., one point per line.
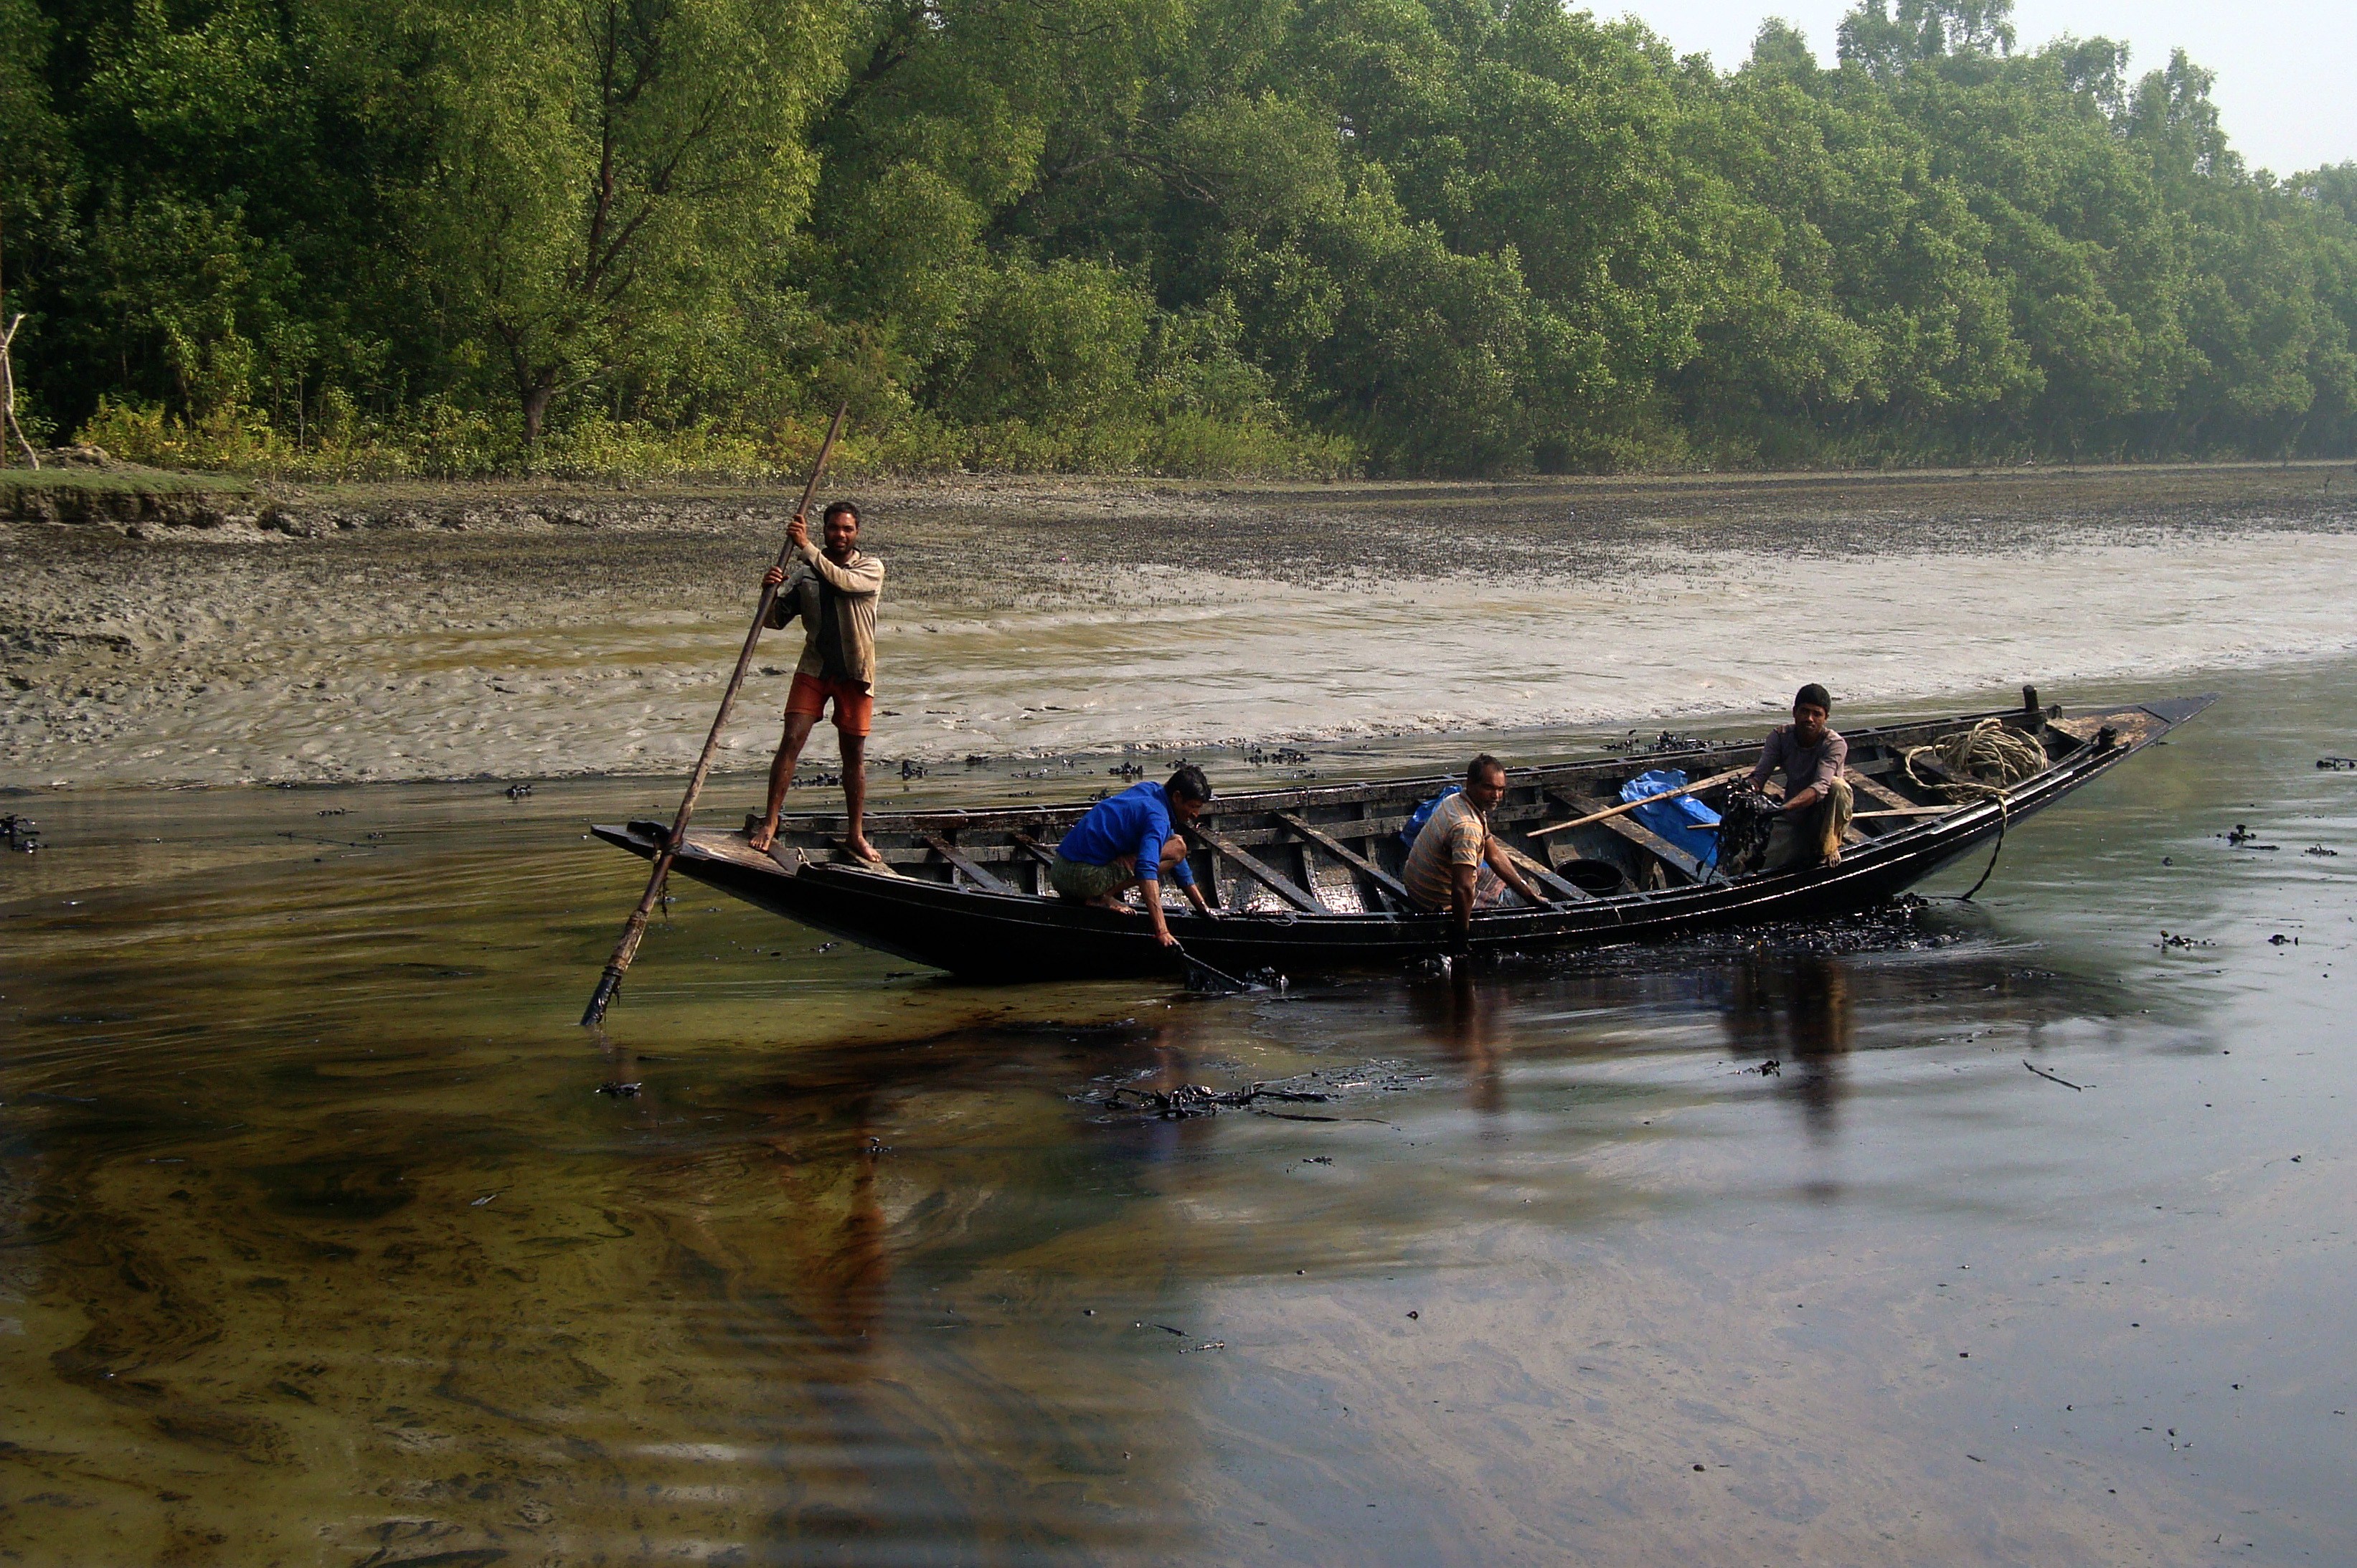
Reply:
x=1674, y=859
x=1251, y=865
x=1546, y=874
x=968, y=865
x=1389, y=885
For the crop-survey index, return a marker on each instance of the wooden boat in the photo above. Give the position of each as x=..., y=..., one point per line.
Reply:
x=1308, y=879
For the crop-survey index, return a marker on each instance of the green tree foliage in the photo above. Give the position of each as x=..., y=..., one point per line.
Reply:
x=606, y=175
x=1432, y=236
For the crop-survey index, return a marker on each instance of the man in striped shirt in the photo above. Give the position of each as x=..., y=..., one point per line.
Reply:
x=1457, y=864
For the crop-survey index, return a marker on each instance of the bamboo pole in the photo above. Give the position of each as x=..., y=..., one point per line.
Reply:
x=1628, y=806
x=635, y=927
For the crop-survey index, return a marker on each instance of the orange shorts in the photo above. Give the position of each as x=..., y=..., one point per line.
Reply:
x=854, y=705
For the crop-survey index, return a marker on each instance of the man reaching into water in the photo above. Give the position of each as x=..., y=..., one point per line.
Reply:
x=1129, y=840
x=1456, y=863
x=835, y=591
x=1817, y=804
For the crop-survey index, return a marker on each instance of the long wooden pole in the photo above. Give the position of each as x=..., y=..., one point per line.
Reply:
x=635, y=927
x=9, y=425
x=1627, y=806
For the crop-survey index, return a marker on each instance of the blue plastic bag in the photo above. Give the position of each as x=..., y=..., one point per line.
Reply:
x=1683, y=822
x=1423, y=814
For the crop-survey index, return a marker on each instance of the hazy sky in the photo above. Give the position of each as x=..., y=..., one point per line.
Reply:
x=2287, y=68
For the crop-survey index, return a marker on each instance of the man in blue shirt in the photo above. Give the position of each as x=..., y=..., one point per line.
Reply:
x=1128, y=842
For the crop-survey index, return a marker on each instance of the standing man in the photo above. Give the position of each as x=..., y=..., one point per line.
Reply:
x=1817, y=803
x=1456, y=863
x=835, y=591
x=1128, y=841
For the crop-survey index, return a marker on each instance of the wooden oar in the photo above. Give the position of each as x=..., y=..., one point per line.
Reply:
x=1855, y=817
x=1627, y=806
x=635, y=927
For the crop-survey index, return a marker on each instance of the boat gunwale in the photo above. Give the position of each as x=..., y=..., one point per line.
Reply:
x=820, y=824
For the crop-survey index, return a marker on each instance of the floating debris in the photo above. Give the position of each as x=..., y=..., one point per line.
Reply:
x=1193, y=1099
x=619, y=1090
x=2338, y=764
x=2319, y=849
x=20, y=832
x=911, y=769
x=2051, y=1078
x=1668, y=740
x=1137, y=1102
x=517, y=791
x=2170, y=941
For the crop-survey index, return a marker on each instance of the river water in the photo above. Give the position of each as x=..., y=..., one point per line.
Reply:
x=321, y=1243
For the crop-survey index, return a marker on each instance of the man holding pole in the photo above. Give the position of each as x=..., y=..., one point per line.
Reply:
x=835, y=591
x=634, y=929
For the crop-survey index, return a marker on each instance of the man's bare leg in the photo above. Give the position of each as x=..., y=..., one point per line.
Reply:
x=781, y=777
x=1174, y=850
x=855, y=794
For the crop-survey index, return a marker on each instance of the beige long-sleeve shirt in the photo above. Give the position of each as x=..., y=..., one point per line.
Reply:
x=837, y=606
x=1805, y=767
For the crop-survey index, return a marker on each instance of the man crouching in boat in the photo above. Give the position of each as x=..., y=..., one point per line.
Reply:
x=1817, y=804
x=835, y=591
x=1129, y=840
x=1456, y=863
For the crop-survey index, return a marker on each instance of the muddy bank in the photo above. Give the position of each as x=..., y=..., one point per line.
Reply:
x=401, y=633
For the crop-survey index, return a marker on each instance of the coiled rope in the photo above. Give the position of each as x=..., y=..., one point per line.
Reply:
x=1982, y=762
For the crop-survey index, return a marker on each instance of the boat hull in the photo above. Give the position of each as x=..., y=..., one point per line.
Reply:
x=988, y=934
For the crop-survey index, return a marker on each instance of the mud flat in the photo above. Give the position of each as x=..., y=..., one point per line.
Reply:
x=211, y=635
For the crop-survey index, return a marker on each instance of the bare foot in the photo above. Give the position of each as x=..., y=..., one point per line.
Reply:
x=763, y=836
x=862, y=850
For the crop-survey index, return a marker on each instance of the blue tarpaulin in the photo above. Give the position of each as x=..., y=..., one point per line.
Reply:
x=1682, y=820
x=1423, y=814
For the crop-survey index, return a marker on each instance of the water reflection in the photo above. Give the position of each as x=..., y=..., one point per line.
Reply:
x=1462, y=1015
x=317, y=1243
x=1795, y=1011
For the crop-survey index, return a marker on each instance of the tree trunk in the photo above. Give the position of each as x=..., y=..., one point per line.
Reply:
x=536, y=393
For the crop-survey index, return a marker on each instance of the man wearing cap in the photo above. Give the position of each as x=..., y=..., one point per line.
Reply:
x=1816, y=809
x=835, y=591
